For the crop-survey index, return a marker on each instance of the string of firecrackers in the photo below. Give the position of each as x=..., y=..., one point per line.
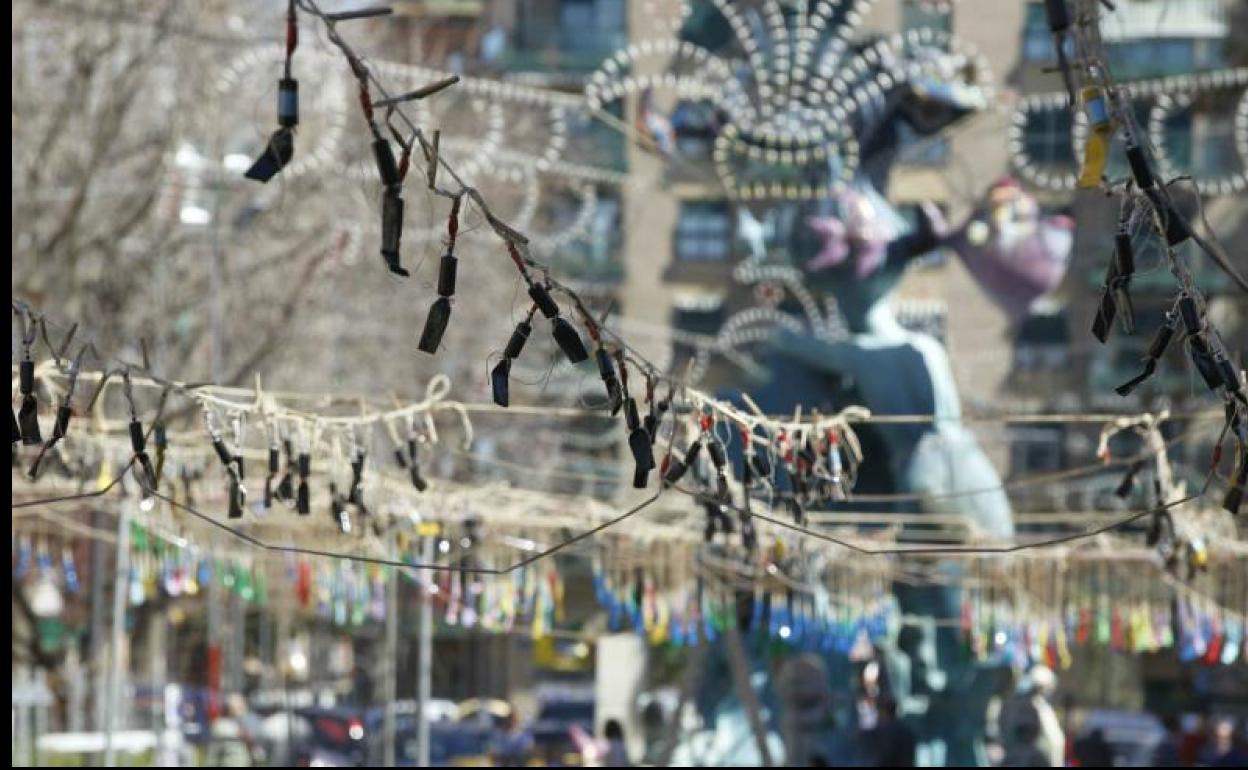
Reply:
x=811, y=441
x=252, y=458
x=523, y=512
x=446, y=503
x=233, y=456
x=1146, y=206
x=187, y=448
x=1033, y=555
x=392, y=482
x=267, y=409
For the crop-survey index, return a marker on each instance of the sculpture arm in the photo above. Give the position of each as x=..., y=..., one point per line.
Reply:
x=825, y=356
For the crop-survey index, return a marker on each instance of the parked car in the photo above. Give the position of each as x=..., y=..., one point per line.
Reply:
x=450, y=745
x=197, y=707
x=486, y=712
x=1132, y=736
x=337, y=734
x=552, y=731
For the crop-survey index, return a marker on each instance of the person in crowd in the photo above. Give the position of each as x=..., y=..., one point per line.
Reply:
x=654, y=725
x=1092, y=750
x=1022, y=748
x=890, y=743
x=1166, y=753
x=1032, y=705
x=1195, y=736
x=512, y=744
x=232, y=743
x=617, y=751
x=1227, y=746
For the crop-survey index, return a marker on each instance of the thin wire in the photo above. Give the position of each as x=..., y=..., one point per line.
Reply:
x=881, y=517
x=538, y=410
x=77, y=527
x=352, y=557
x=1031, y=480
x=936, y=550
x=254, y=541
x=258, y=543
x=204, y=393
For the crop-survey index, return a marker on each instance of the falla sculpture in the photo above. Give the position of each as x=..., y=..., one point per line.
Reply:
x=852, y=247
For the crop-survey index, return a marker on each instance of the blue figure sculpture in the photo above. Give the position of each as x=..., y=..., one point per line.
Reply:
x=855, y=248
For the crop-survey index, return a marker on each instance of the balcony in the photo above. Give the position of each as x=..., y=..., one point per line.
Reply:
x=1149, y=20
x=593, y=256
x=582, y=262
x=555, y=60
x=568, y=37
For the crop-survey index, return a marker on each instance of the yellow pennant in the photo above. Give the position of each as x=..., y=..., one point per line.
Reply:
x=1063, y=649
x=662, y=622
x=106, y=475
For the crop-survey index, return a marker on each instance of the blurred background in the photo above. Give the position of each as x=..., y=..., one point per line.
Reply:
x=606, y=130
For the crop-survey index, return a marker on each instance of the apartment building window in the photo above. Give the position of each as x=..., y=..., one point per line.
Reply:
x=1042, y=343
x=591, y=26
x=1037, y=38
x=604, y=231
x=589, y=136
x=1046, y=139
x=923, y=14
x=1215, y=151
x=695, y=125
x=1201, y=142
x=703, y=231
x=1152, y=57
x=1036, y=448
x=699, y=320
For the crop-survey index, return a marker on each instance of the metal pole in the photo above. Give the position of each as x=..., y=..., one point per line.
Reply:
x=739, y=666
x=157, y=650
x=23, y=751
x=213, y=633
x=39, y=713
x=75, y=674
x=238, y=643
x=690, y=682
x=283, y=655
x=122, y=563
x=96, y=663
x=217, y=352
x=391, y=664
x=425, y=651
